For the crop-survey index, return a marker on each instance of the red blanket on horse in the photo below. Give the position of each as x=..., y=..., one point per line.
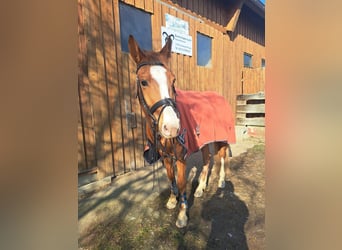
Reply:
x=206, y=116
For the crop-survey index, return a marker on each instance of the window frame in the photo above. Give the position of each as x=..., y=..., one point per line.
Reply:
x=129, y=24
x=263, y=63
x=250, y=65
x=210, y=39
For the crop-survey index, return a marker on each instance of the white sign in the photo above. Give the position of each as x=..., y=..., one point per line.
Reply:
x=177, y=24
x=182, y=43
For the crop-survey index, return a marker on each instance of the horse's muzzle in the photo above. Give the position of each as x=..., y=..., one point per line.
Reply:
x=169, y=123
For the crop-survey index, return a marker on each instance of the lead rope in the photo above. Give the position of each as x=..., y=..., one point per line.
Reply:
x=154, y=178
x=154, y=163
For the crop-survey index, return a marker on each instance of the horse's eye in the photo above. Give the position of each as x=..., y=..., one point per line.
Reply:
x=144, y=83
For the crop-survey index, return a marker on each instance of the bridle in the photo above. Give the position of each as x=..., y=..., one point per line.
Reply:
x=163, y=103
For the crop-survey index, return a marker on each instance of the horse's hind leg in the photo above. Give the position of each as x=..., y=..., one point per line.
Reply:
x=222, y=153
x=172, y=201
x=202, y=179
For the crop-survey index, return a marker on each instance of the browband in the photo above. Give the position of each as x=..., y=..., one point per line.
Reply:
x=148, y=63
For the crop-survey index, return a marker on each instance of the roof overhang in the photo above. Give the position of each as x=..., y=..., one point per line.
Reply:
x=257, y=6
x=235, y=10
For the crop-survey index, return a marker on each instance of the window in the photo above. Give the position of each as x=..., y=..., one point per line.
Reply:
x=203, y=50
x=247, y=60
x=136, y=22
x=263, y=63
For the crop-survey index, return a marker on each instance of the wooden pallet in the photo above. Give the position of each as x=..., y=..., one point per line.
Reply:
x=250, y=110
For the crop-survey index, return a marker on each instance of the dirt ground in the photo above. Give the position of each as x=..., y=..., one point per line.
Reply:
x=229, y=218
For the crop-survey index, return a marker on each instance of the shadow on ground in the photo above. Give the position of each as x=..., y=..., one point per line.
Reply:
x=229, y=218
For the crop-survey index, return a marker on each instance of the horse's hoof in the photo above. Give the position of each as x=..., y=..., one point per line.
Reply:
x=221, y=184
x=172, y=202
x=182, y=219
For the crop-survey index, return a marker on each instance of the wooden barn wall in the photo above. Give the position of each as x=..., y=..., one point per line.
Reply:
x=248, y=37
x=107, y=145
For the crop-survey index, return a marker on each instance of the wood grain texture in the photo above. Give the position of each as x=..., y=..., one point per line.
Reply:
x=107, y=75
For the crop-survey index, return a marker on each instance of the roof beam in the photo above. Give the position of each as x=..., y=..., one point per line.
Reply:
x=234, y=15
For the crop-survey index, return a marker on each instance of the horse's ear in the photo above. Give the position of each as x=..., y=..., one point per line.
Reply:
x=166, y=50
x=134, y=50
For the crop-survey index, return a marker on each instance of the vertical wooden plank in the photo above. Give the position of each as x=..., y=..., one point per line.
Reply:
x=186, y=61
x=87, y=125
x=97, y=88
x=149, y=6
x=226, y=66
x=156, y=23
x=174, y=56
x=84, y=88
x=137, y=133
x=207, y=69
x=130, y=162
x=140, y=4
x=107, y=27
x=118, y=105
x=226, y=73
x=195, y=67
x=82, y=160
x=90, y=146
x=216, y=65
x=81, y=157
x=86, y=97
x=104, y=129
x=192, y=63
x=180, y=60
x=113, y=85
x=213, y=68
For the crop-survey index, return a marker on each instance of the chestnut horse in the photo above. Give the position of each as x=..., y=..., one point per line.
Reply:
x=157, y=96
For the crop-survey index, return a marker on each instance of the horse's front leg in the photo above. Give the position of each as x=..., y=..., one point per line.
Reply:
x=172, y=201
x=182, y=219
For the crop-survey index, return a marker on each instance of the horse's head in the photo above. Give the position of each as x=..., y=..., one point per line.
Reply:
x=155, y=87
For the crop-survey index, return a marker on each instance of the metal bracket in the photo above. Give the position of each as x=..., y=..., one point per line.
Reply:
x=131, y=120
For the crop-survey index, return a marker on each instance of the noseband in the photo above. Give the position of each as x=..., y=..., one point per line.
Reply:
x=165, y=102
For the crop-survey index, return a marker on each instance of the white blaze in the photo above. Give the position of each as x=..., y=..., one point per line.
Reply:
x=159, y=75
x=170, y=118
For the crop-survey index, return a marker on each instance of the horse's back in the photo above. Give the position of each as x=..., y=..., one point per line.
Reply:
x=206, y=116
